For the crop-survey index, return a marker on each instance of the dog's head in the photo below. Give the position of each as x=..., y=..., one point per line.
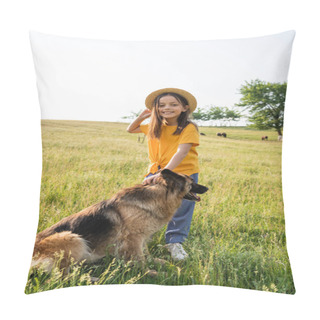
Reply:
x=183, y=184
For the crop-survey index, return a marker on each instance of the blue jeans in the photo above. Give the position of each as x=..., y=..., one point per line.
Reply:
x=178, y=228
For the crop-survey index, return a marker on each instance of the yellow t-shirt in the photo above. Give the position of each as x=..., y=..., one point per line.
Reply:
x=161, y=151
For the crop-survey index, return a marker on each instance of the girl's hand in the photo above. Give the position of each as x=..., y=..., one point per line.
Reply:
x=134, y=127
x=145, y=114
x=152, y=179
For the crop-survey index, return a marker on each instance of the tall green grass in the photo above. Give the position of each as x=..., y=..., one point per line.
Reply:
x=237, y=236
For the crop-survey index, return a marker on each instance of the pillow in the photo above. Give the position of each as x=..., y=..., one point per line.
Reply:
x=95, y=213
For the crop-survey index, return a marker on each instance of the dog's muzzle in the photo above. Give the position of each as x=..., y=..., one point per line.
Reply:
x=196, y=188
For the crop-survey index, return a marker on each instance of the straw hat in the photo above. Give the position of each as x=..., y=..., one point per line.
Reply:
x=192, y=102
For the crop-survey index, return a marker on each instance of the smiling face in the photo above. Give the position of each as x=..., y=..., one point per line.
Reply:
x=170, y=109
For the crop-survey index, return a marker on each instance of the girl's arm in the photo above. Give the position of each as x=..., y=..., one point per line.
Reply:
x=134, y=127
x=181, y=153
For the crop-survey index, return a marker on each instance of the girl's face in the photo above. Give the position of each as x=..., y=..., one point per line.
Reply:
x=170, y=109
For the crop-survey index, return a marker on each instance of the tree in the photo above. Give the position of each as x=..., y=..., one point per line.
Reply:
x=231, y=115
x=200, y=114
x=265, y=103
x=216, y=113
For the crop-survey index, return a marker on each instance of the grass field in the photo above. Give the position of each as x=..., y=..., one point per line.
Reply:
x=237, y=236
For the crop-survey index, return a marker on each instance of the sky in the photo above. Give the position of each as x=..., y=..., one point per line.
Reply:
x=102, y=80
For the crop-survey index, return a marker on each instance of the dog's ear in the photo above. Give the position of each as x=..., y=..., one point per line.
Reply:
x=174, y=179
x=165, y=172
x=169, y=173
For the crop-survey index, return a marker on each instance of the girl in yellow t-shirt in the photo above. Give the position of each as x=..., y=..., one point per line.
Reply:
x=172, y=142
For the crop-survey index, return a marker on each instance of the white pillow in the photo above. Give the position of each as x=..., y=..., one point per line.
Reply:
x=89, y=89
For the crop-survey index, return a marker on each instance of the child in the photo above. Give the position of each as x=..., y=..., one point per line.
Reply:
x=172, y=142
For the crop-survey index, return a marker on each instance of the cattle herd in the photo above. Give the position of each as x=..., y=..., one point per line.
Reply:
x=264, y=138
x=219, y=134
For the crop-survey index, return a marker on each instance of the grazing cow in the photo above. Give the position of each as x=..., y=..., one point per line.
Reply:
x=219, y=134
x=264, y=138
x=224, y=134
x=203, y=134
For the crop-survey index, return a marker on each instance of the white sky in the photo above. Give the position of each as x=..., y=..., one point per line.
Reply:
x=100, y=80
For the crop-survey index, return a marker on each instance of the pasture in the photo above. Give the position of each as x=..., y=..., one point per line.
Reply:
x=237, y=236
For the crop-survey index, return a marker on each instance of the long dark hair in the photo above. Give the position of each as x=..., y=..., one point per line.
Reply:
x=157, y=121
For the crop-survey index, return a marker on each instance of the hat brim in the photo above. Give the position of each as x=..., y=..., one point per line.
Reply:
x=192, y=102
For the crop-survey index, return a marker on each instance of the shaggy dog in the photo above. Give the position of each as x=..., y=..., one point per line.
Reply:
x=120, y=226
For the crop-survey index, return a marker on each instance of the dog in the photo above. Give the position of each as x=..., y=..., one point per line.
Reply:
x=120, y=226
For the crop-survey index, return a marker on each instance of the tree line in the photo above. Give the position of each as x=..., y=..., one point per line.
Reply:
x=263, y=101
x=224, y=114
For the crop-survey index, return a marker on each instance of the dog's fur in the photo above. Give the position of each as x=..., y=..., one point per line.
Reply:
x=119, y=226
